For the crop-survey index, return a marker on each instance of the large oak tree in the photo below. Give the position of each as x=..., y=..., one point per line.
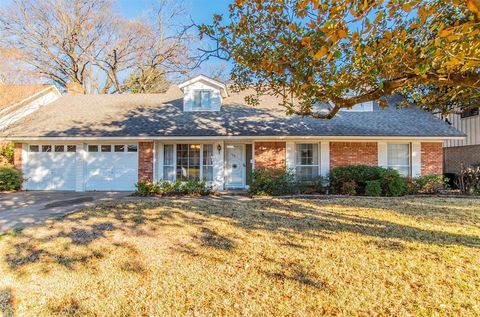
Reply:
x=344, y=52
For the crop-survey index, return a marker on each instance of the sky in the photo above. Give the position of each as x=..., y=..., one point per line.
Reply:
x=200, y=11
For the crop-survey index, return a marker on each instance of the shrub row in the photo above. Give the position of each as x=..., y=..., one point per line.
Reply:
x=175, y=188
x=276, y=182
x=353, y=180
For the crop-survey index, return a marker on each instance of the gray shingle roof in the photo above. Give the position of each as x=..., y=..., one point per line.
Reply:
x=159, y=115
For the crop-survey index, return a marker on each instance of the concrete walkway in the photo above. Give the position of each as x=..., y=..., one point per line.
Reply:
x=18, y=210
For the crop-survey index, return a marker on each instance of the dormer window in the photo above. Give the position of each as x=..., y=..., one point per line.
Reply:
x=202, y=99
x=203, y=94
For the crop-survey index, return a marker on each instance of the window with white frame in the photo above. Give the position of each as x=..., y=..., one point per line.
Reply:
x=188, y=162
x=398, y=157
x=202, y=99
x=306, y=163
x=168, y=162
x=207, y=161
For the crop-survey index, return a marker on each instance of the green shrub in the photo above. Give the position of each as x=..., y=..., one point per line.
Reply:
x=272, y=182
x=146, y=188
x=175, y=188
x=431, y=184
x=393, y=185
x=349, y=188
x=6, y=154
x=360, y=174
x=342, y=178
x=373, y=188
x=10, y=179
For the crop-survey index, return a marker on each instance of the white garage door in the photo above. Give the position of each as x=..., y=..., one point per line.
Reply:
x=111, y=167
x=50, y=167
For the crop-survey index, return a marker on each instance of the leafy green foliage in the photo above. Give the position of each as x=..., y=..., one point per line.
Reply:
x=10, y=179
x=343, y=178
x=373, y=188
x=276, y=182
x=175, y=188
x=322, y=51
x=431, y=184
x=6, y=154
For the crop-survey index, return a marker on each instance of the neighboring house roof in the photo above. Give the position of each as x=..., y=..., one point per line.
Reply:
x=16, y=93
x=161, y=115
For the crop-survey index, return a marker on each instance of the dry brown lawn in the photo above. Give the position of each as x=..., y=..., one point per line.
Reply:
x=263, y=257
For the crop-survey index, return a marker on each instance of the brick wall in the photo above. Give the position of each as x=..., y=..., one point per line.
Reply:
x=454, y=157
x=270, y=155
x=145, y=161
x=432, y=158
x=17, y=156
x=353, y=153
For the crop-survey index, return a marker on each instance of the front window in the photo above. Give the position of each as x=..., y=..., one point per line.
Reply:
x=398, y=156
x=188, y=162
x=306, y=164
x=202, y=99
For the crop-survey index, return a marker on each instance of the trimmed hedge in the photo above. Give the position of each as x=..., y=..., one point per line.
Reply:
x=353, y=180
x=175, y=188
x=277, y=182
x=10, y=179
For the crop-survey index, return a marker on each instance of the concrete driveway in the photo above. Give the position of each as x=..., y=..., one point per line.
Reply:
x=18, y=210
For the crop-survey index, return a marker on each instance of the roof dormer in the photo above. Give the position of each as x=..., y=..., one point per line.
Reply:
x=203, y=94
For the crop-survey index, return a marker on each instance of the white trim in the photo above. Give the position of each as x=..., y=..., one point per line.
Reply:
x=416, y=159
x=209, y=80
x=324, y=158
x=383, y=154
x=290, y=155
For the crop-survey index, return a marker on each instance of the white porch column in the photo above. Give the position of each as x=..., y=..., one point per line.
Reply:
x=416, y=159
x=382, y=154
x=80, y=167
x=290, y=156
x=218, y=165
x=324, y=158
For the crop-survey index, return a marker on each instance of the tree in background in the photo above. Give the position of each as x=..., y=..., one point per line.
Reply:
x=88, y=43
x=345, y=52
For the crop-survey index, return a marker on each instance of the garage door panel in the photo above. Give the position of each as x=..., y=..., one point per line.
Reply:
x=50, y=171
x=111, y=171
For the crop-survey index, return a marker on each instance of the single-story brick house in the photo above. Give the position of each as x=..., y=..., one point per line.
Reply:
x=199, y=130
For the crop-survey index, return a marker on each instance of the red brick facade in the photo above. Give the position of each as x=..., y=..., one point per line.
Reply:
x=353, y=153
x=270, y=155
x=145, y=161
x=17, y=156
x=432, y=158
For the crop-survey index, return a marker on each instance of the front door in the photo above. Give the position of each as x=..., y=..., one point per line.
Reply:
x=235, y=165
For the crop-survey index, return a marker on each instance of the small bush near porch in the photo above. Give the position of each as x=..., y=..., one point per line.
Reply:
x=216, y=257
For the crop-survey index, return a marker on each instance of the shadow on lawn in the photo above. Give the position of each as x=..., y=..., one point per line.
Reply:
x=7, y=308
x=285, y=216
x=288, y=216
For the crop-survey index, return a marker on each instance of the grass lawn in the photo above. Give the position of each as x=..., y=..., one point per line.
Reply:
x=211, y=257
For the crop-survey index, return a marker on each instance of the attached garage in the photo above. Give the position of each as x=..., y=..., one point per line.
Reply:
x=111, y=167
x=50, y=167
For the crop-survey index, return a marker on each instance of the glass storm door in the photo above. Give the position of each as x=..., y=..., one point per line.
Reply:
x=235, y=166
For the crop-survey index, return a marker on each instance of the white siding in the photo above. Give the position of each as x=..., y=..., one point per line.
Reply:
x=216, y=101
x=470, y=126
